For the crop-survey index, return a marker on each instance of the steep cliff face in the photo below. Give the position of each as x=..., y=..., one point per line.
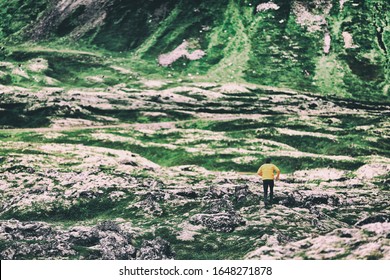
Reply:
x=335, y=47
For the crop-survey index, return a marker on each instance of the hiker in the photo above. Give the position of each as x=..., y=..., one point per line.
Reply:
x=266, y=171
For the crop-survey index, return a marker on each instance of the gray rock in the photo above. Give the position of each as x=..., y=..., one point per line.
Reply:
x=157, y=249
x=108, y=226
x=115, y=246
x=241, y=193
x=222, y=222
x=303, y=200
x=25, y=240
x=84, y=237
x=150, y=205
x=187, y=193
x=220, y=205
x=215, y=192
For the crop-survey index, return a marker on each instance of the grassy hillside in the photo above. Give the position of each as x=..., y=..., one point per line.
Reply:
x=282, y=46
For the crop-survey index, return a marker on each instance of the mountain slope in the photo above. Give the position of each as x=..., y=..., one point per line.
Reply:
x=335, y=47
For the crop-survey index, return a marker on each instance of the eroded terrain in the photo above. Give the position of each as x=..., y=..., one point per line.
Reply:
x=165, y=170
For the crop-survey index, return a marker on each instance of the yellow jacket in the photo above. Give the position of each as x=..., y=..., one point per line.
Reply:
x=266, y=171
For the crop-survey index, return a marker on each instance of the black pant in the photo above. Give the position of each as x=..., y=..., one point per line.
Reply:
x=270, y=184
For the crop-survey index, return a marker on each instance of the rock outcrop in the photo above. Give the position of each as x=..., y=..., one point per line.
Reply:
x=107, y=241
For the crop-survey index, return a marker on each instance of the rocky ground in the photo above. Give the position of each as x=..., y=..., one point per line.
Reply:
x=167, y=171
x=134, y=129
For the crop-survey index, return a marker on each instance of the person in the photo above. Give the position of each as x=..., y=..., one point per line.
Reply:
x=266, y=171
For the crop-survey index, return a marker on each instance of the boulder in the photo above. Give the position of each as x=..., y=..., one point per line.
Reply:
x=83, y=236
x=187, y=193
x=215, y=192
x=115, y=246
x=307, y=199
x=220, y=205
x=26, y=240
x=150, y=205
x=157, y=249
x=222, y=222
x=241, y=193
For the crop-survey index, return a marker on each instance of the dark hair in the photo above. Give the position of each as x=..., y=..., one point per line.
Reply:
x=268, y=160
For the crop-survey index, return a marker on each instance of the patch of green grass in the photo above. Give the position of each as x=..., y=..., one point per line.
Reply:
x=16, y=115
x=351, y=145
x=218, y=246
x=82, y=209
x=209, y=245
x=20, y=136
x=383, y=182
x=4, y=244
x=291, y=164
x=16, y=15
x=5, y=152
x=176, y=212
x=165, y=138
x=226, y=126
x=83, y=252
x=173, y=157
